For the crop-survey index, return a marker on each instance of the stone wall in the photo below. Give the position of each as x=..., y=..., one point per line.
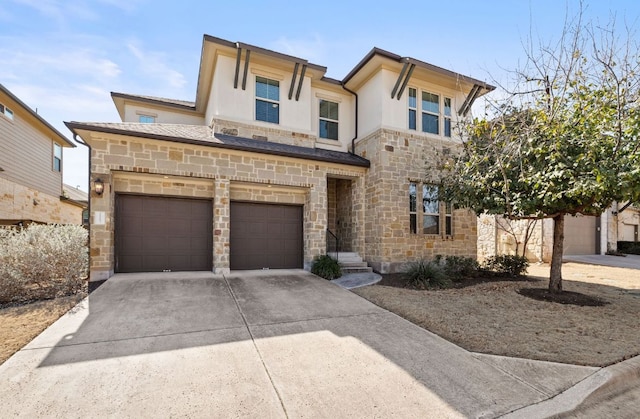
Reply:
x=131, y=164
x=500, y=236
x=398, y=158
x=18, y=202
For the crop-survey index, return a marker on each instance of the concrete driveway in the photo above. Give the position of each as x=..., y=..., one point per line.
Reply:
x=257, y=344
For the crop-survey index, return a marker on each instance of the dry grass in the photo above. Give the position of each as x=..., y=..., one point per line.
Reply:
x=493, y=318
x=20, y=324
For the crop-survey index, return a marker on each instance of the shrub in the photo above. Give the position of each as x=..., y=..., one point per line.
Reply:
x=631, y=248
x=459, y=267
x=426, y=274
x=42, y=261
x=326, y=267
x=508, y=265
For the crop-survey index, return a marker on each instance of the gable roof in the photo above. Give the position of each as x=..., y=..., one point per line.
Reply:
x=204, y=136
x=40, y=120
x=378, y=52
x=211, y=43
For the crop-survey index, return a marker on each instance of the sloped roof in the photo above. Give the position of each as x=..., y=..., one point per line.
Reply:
x=156, y=100
x=74, y=194
x=65, y=141
x=203, y=135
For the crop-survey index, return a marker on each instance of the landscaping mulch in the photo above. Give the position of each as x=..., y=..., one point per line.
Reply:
x=495, y=316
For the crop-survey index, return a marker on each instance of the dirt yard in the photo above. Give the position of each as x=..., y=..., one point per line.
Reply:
x=20, y=324
x=494, y=318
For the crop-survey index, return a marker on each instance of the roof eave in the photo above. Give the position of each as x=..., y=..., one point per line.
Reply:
x=34, y=114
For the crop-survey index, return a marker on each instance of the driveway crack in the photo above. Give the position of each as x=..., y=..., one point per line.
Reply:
x=264, y=365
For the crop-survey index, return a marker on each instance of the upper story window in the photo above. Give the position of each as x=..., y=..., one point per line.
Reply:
x=57, y=157
x=430, y=113
x=267, y=100
x=435, y=111
x=328, y=119
x=413, y=108
x=6, y=111
x=146, y=119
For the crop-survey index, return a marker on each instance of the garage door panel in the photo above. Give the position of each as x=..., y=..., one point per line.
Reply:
x=580, y=235
x=265, y=236
x=160, y=233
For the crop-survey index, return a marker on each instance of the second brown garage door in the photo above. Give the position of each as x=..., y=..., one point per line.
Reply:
x=156, y=233
x=266, y=236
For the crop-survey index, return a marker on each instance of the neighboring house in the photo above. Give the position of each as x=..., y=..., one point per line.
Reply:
x=79, y=198
x=31, y=166
x=274, y=164
x=583, y=235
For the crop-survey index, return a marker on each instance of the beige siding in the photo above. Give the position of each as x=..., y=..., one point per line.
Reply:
x=26, y=154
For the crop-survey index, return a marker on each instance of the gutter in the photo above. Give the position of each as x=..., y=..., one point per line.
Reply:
x=353, y=140
x=79, y=141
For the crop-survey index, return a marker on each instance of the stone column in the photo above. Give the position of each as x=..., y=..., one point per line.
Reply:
x=221, y=226
x=101, y=241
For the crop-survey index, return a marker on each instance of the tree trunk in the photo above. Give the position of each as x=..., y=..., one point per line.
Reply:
x=555, y=277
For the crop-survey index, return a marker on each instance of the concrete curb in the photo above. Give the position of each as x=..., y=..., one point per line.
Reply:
x=599, y=385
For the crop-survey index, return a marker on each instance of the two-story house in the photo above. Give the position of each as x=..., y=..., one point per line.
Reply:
x=274, y=163
x=31, y=166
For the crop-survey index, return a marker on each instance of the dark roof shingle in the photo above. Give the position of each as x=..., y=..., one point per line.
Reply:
x=203, y=135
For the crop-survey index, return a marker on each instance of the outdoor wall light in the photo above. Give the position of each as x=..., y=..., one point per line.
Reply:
x=98, y=186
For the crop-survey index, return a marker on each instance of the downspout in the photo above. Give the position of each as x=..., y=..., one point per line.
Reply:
x=353, y=140
x=79, y=141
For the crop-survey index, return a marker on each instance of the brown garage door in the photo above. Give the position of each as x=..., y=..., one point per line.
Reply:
x=580, y=235
x=265, y=236
x=158, y=233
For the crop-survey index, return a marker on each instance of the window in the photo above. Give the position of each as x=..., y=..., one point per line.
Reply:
x=413, y=215
x=146, y=119
x=328, y=120
x=448, y=218
x=57, y=157
x=430, y=113
x=447, y=117
x=413, y=108
x=267, y=100
x=436, y=216
x=431, y=210
x=6, y=111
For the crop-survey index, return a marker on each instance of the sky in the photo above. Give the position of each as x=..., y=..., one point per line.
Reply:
x=64, y=57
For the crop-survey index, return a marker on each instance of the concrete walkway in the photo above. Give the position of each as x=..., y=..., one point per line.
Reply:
x=628, y=261
x=260, y=344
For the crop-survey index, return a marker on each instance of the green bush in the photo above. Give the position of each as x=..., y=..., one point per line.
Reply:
x=326, y=267
x=508, y=265
x=459, y=268
x=426, y=274
x=42, y=261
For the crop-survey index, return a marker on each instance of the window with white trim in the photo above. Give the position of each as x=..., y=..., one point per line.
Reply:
x=435, y=112
x=267, y=100
x=447, y=117
x=146, y=119
x=413, y=108
x=6, y=111
x=430, y=113
x=57, y=157
x=328, y=119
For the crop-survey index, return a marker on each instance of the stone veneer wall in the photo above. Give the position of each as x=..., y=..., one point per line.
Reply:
x=18, y=202
x=495, y=239
x=272, y=134
x=397, y=158
x=225, y=169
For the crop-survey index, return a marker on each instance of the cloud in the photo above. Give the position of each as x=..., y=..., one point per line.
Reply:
x=313, y=50
x=61, y=11
x=126, y=5
x=154, y=65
